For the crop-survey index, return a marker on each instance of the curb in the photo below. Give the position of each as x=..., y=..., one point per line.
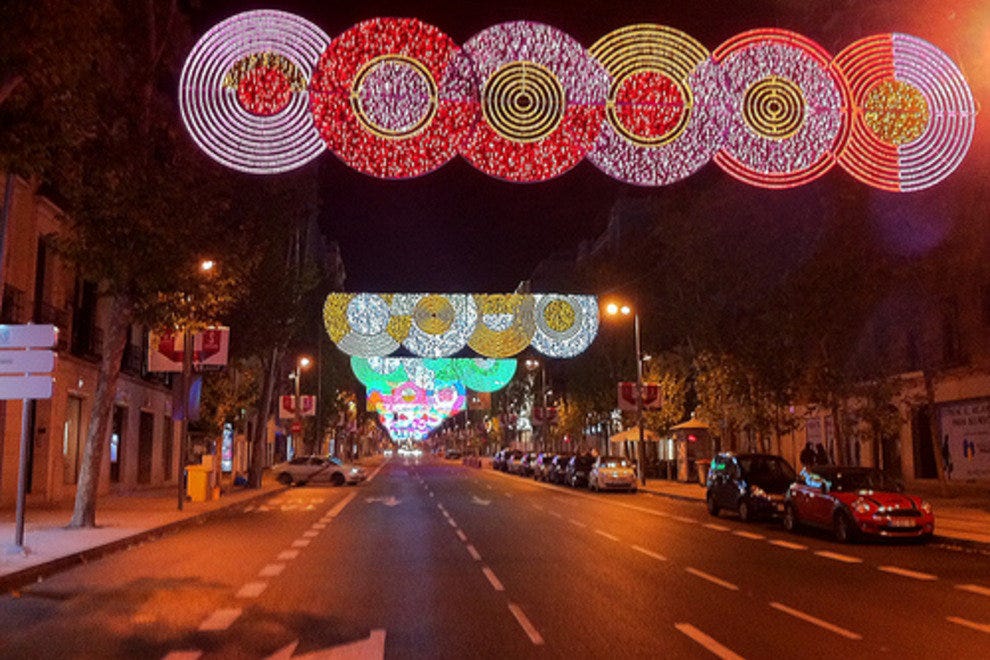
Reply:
x=38, y=572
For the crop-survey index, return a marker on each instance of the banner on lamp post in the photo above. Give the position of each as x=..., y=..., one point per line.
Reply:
x=287, y=406
x=651, y=396
x=210, y=349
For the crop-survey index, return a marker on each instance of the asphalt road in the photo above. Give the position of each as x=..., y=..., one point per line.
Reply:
x=436, y=560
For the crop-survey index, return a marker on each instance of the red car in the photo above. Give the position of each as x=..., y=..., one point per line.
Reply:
x=855, y=501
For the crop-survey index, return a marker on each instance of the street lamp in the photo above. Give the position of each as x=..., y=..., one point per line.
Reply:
x=302, y=363
x=613, y=309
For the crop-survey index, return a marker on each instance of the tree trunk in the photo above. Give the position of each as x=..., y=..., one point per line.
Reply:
x=97, y=433
x=260, y=438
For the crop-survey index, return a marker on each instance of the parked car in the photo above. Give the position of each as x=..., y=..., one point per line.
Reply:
x=304, y=469
x=753, y=485
x=453, y=454
x=513, y=460
x=557, y=472
x=541, y=465
x=855, y=501
x=577, y=470
x=498, y=459
x=527, y=464
x=612, y=472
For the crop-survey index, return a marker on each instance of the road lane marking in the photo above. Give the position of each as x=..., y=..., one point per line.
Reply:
x=981, y=627
x=496, y=585
x=974, y=588
x=451, y=522
x=462, y=536
x=221, y=619
x=787, y=544
x=251, y=590
x=183, y=655
x=287, y=554
x=848, y=634
x=556, y=514
x=701, y=638
x=475, y=555
x=431, y=493
x=711, y=578
x=577, y=523
x=649, y=553
x=375, y=473
x=318, y=525
x=837, y=557
x=249, y=509
x=684, y=519
x=907, y=573
x=749, y=535
x=538, y=507
x=508, y=494
x=606, y=535
x=271, y=570
x=717, y=528
x=527, y=626
x=301, y=543
x=334, y=512
x=311, y=534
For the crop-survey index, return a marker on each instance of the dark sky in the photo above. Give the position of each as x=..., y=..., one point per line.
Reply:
x=459, y=230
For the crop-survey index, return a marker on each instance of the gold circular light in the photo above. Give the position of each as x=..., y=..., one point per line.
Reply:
x=774, y=108
x=365, y=111
x=434, y=314
x=896, y=111
x=559, y=315
x=523, y=101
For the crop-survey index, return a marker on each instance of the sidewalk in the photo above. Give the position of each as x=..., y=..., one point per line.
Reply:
x=961, y=516
x=123, y=520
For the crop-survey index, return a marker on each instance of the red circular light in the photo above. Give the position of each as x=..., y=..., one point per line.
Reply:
x=264, y=91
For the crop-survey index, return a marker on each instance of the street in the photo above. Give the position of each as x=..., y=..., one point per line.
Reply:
x=433, y=559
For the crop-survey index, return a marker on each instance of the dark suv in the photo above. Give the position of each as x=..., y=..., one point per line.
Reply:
x=577, y=470
x=751, y=484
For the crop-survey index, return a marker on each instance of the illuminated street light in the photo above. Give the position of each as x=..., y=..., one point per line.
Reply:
x=302, y=363
x=614, y=309
x=545, y=422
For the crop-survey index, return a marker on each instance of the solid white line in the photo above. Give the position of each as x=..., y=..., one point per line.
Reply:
x=848, y=634
x=375, y=473
x=462, y=536
x=606, y=535
x=221, y=619
x=473, y=552
x=717, y=649
x=334, y=512
x=649, y=553
x=974, y=588
x=906, y=573
x=981, y=627
x=837, y=557
x=271, y=570
x=183, y=655
x=287, y=554
x=251, y=590
x=749, y=535
x=717, y=528
x=446, y=515
x=311, y=534
x=711, y=578
x=440, y=507
x=577, y=523
x=787, y=544
x=529, y=628
x=301, y=543
x=491, y=578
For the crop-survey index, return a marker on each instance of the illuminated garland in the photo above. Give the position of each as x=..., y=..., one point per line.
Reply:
x=478, y=374
x=434, y=325
x=410, y=412
x=266, y=91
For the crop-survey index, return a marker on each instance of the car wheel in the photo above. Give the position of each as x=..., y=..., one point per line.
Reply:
x=844, y=528
x=745, y=514
x=285, y=479
x=713, y=508
x=790, y=518
x=337, y=479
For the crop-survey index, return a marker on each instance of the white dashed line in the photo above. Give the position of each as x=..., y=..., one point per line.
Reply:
x=848, y=634
x=251, y=590
x=716, y=649
x=311, y=534
x=271, y=570
x=475, y=555
x=431, y=493
x=717, y=528
x=318, y=525
x=981, y=627
x=649, y=553
x=577, y=523
x=183, y=655
x=711, y=578
x=462, y=536
x=301, y=543
x=287, y=554
x=684, y=520
x=496, y=585
x=221, y=619
x=837, y=557
x=974, y=588
x=749, y=535
x=787, y=544
x=556, y=514
x=451, y=522
x=907, y=573
x=249, y=509
x=606, y=535
x=529, y=628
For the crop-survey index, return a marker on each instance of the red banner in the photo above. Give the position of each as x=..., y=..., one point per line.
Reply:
x=651, y=396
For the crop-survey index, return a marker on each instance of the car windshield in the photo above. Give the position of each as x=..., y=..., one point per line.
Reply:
x=855, y=480
x=767, y=468
x=616, y=462
x=336, y=461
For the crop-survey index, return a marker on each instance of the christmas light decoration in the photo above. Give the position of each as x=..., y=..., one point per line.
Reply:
x=788, y=104
x=441, y=324
x=266, y=91
x=242, y=92
x=913, y=113
x=565, y=325
x=478, y=374
x=505, y=325
x=411, y=412
x=361, y=324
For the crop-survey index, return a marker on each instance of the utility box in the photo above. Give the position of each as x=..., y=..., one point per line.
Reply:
x=201, y=481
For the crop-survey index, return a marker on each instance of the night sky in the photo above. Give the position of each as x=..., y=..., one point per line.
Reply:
x=459, y=230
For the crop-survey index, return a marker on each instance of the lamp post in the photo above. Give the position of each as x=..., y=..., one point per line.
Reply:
x=302, y=363
x=613, y=309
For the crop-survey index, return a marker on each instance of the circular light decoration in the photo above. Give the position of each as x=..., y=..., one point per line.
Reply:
x=913, y=112
x=361, y=324
x=663, y=112
x=542, y=101
x=242, y=92
x=440, y=324
x=505, y=324
x=485, y=375
x=788, y=114
x=565, y=324
x=387, y=100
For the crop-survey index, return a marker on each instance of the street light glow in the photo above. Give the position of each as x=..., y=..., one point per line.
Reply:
x=206, y=265
x=304, y=362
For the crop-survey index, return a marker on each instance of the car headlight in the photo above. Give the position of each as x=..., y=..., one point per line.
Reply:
x=756, y=491
x=355, y=470
x=861, y=506
x=927, y=507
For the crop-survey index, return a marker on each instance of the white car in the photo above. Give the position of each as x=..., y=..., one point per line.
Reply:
x=612, y=472
x=305, y=469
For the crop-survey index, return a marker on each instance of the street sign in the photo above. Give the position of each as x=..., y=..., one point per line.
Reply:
x=25, y=387
x=28, y=335
x=651, y=396
x=27, y=362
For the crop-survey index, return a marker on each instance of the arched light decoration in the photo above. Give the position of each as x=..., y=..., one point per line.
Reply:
x=242, y=92
x=523, y=101
x=542, y=101
x=435, y=325
x=411, y=412
x=478, y=374
x=788, y=108
x=664, y=111
x=913, y=113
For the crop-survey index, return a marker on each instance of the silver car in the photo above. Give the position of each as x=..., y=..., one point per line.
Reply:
x=612, y=472
x=304, y=469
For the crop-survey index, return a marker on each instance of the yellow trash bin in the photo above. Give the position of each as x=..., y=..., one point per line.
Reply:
x=198, y=487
